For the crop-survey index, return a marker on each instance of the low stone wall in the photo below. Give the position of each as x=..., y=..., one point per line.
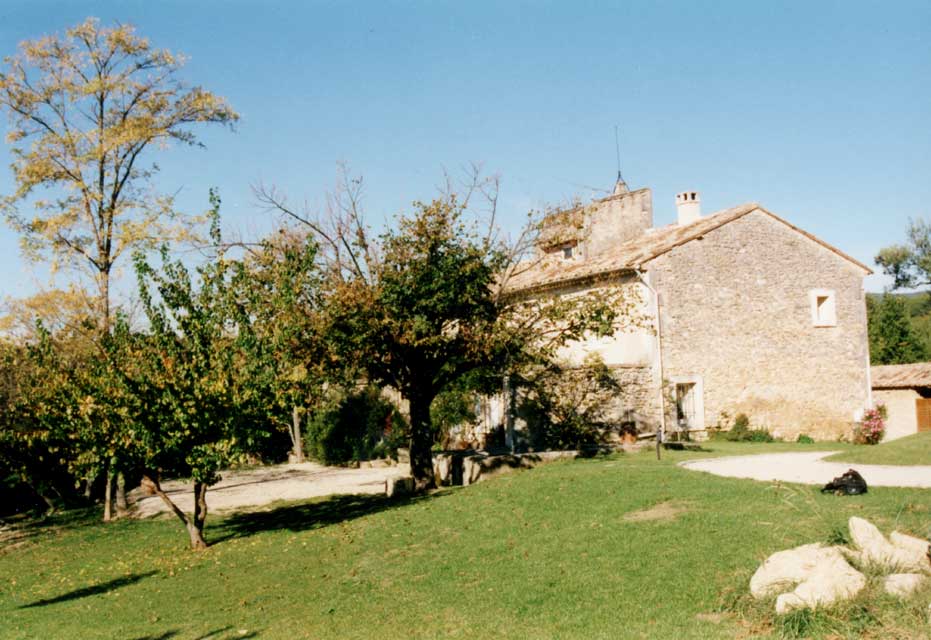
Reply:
x=468, y=467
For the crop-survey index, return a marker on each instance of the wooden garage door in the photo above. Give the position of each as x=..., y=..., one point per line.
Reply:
x=923, y=410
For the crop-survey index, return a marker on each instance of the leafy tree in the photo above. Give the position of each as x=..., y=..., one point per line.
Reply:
x=423, y=306
x=279, y=285
x=33, y=440
x=893, y=339
x=909, y=264
x=85, y=109
x=60, y=414
x=195, y=396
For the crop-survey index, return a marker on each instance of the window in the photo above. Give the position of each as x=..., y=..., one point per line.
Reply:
x=567, y=252
x=823, y=308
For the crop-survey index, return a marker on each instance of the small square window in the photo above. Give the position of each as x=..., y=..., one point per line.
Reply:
x=823, y=308
x=567, y=252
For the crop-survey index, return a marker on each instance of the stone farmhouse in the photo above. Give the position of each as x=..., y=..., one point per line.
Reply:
x=743, y=312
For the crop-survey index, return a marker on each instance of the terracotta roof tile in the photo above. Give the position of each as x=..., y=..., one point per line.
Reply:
x=901, y=376
x=552, y=270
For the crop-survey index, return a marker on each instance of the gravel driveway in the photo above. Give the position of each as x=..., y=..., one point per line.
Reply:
x=257, y=487
x=809, y=468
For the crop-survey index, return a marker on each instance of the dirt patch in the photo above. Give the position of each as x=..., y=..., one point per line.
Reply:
x=668, y=510
x=713, y=618
x=264, y=485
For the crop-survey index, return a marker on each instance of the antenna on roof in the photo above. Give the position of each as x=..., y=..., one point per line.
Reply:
x=620, y=186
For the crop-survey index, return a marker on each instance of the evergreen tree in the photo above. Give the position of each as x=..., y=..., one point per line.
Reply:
x=893, y=340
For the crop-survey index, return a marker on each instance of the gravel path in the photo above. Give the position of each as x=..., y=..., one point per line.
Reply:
x=257, y=487
x=809, y=468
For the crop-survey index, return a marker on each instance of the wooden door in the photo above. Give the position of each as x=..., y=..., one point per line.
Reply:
x=923, y=413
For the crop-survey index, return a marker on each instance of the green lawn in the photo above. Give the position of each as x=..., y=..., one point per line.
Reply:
x=911, y=450
x=625, y=547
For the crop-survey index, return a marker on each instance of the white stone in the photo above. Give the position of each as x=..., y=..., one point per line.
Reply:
x=906, y=555
x=399, y=486
x=819, y=575
x=921, y=549
x=903, y=585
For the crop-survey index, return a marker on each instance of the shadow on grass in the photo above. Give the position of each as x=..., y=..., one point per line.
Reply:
x=91, y=591
x=312, y=515
x=684, y=446
x=20, y=529
x=228, y=634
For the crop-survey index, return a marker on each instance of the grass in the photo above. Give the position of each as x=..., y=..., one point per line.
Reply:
x=910, y=450
x=624, y=547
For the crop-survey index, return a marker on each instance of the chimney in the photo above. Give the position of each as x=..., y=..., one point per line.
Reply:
x=688, y=206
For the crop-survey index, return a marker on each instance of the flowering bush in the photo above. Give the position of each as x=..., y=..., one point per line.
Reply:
x=872, y=426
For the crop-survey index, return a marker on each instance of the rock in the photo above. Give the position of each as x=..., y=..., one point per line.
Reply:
x=820, y=576
x=471, y=469
x=399, y=486
x=903, y=585
x=443, y=469
x=921, y=549
x=908, y=554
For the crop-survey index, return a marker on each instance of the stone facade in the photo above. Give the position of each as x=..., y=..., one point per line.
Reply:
x=737, y=319
x=756, y=315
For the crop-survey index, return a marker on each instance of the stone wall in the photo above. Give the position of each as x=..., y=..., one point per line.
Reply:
x=737, y=318
x=616, y=219
x=632, y=344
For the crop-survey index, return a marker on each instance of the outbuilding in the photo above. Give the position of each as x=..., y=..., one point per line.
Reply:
x=905, y=389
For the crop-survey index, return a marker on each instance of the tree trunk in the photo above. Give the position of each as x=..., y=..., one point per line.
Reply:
x=195, y=527
x=421, y=443
x=296, y=434
x=122, y=506
x=103, y=283
x=88, y=486
x=108, y=497
x=42, y=495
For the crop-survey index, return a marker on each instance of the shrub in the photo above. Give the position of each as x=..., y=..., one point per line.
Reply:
x=567, y=409
x=355, y=427
x=759, y=435
x=740, y=430
x=803, y=439
x=872, y=427
x=450, y=412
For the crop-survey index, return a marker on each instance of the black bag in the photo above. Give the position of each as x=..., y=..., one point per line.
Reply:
x=849, y=484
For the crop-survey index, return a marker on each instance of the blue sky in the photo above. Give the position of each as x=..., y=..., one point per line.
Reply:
x=820, y=111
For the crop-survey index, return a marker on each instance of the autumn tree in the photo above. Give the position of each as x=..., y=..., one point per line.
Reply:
x=34, y=445
x=423, y=306
x=62, y=312
x=86, y=111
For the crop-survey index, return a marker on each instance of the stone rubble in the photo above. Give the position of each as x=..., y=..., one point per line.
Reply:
x=820, y=576
x=904, y=554
x=903, y=585
x=813, y=575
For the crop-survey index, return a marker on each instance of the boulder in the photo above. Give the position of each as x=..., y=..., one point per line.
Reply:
x=443, y=469
x=921, y=549
x=903, y=585
x=399, y=486
x=907, y=554
x=806, y=577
